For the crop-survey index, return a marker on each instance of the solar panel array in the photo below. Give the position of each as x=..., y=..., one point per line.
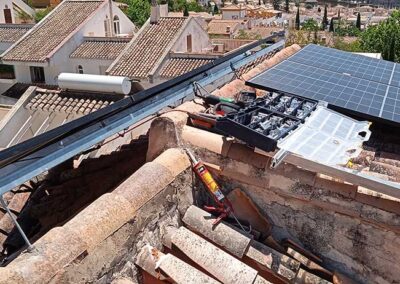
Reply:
x=362, y=84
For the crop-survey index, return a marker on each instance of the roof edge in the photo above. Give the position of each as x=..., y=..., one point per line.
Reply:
x=158, y=64
x=76, y=29
x=132, y=41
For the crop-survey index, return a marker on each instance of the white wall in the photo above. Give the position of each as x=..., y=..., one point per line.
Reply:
x=233, y=15
x=91, y=66
x=200, y=39
x=3, y=4
x=60, y=61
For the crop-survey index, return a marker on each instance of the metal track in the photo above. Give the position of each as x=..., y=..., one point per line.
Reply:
x=39, y=154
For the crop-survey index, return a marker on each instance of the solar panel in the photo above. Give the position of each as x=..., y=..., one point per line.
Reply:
x=314, y=73
x=354, y=65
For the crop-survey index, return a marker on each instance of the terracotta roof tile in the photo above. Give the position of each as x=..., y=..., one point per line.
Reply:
x=146, y=49
x=178, y=66
x=46, y=36
x=70, y=102
x=105, y=48
x=11, y=32
x=220, y=27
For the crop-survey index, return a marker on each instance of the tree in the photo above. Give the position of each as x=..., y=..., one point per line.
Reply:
x=325, y=19
x=40, y=14
x=338, y=14
x=287, y=6
x=216, y=11
x=310, y=25
x=138, y=11
x=331, y=26
x=186, y=11
x=276, y=4
x=384, y=38
x=358, y=23
x=297, y=22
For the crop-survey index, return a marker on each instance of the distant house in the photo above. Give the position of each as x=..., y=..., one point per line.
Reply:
x=57, y=43
x=9, y=34
x=225, y=28
x=163, y=41
x=233, y=12
x=15, y=12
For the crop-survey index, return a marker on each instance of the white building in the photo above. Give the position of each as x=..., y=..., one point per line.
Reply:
x=44, y=52
x=165, y=47
x=15, y=12
x=233, y=12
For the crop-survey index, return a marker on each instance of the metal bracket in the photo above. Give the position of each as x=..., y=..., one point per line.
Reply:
x=3, y=203
x=278, y=158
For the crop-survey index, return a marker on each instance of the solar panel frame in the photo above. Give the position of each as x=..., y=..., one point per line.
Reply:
x=374, y=95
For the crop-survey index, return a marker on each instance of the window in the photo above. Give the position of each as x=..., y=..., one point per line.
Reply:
x=37, y=74
x=189, y=43
x=80, y=69
x=107, y=26
x=7, y=71
x=117, y=30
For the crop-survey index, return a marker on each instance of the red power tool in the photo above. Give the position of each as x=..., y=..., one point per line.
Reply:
x=224, y=206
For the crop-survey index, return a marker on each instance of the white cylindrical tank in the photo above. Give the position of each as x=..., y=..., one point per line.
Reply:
x=96, y=83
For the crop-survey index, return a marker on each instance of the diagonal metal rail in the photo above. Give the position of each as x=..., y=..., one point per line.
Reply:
x=39, y=154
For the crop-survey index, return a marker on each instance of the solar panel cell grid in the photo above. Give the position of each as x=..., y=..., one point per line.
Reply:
x=359, y=83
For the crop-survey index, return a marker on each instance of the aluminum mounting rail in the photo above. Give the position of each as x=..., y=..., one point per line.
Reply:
x=28, y=159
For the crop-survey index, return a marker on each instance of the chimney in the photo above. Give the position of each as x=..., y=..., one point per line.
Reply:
x=163, y=9
x=155, y=12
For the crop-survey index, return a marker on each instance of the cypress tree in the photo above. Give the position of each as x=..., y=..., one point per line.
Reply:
x=325, y=19
x=186, y=11
x=216, y=11
x=331, y=28
x=287, y=6
x=358, y=23
x=298, y=19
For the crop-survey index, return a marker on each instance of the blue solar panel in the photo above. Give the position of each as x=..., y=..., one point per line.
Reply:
x=351, y=64
x=367, y=85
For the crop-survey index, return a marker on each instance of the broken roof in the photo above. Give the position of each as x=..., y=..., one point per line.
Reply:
x=145, y=50
x=50, y=33
x=100, y=48
x=12, y=32
x=178, y=66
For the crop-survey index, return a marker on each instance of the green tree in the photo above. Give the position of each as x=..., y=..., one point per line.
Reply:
x=287, y=6
x=297, y=22
x=40, y=14
x=138, y=11
x=358, y=23
x=310, y=25
x=216, y=11
x=331, y=26
x=384, y=38
x=325, y=19
x=276, y=4
x=186, y=11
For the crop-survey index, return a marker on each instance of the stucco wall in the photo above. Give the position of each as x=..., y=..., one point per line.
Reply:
x=60, y=61
x=233, y=15
x=3, y=4
x=200, y=39
x=90, y=66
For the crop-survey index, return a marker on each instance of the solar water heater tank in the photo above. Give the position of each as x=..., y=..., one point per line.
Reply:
x=95, y=83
